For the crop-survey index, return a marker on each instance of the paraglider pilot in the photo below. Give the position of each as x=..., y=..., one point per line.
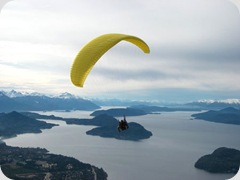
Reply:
x=123, y=125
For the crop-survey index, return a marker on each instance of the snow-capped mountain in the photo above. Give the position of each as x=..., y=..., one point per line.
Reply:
x=67, y=95
x=227, y=101
x=21, y=101
x=12, y=93
x=216, y=104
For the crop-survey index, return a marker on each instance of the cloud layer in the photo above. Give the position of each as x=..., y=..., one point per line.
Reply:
x=194, y=46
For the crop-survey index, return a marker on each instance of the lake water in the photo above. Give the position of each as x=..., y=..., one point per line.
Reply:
x=177, y=143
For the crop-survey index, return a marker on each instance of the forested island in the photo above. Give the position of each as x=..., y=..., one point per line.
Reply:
x=228, y=115
x=38, y=164
x=135, y=132
x=222, y=160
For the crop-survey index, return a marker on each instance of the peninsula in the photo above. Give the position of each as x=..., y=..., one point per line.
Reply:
x=14, y=123
x=228, y=115
x=37, y=163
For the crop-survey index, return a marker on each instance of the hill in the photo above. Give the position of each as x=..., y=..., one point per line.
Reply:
x=222, y=160
x=14, y=123
x=135, y=132
x=228, y=115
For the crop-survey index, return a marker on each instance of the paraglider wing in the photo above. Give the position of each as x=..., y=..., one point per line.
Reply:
x=91, y=52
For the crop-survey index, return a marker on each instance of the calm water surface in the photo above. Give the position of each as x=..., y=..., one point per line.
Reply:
x=177, y=143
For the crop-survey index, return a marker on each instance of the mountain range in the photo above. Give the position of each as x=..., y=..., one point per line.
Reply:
x=193, y=105
x=25, y=101
x=215, y=104
x=17, y=101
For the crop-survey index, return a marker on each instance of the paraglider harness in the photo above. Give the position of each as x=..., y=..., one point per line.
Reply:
x=123, y=125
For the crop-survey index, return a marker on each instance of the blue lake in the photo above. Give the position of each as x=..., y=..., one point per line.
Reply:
x=177, y=143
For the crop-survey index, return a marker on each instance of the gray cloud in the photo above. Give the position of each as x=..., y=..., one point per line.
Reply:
x=2, y=3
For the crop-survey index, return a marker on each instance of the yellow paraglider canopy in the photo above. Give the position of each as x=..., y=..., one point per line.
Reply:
x=92, y=51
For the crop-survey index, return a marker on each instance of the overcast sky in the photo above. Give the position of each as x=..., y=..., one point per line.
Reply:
x=195, y=48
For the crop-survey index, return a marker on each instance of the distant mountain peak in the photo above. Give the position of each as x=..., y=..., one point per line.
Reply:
x=13, y=93
x=67, y=95
x=226, y=101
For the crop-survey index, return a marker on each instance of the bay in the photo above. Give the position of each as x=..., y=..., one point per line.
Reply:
x=177, y=143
